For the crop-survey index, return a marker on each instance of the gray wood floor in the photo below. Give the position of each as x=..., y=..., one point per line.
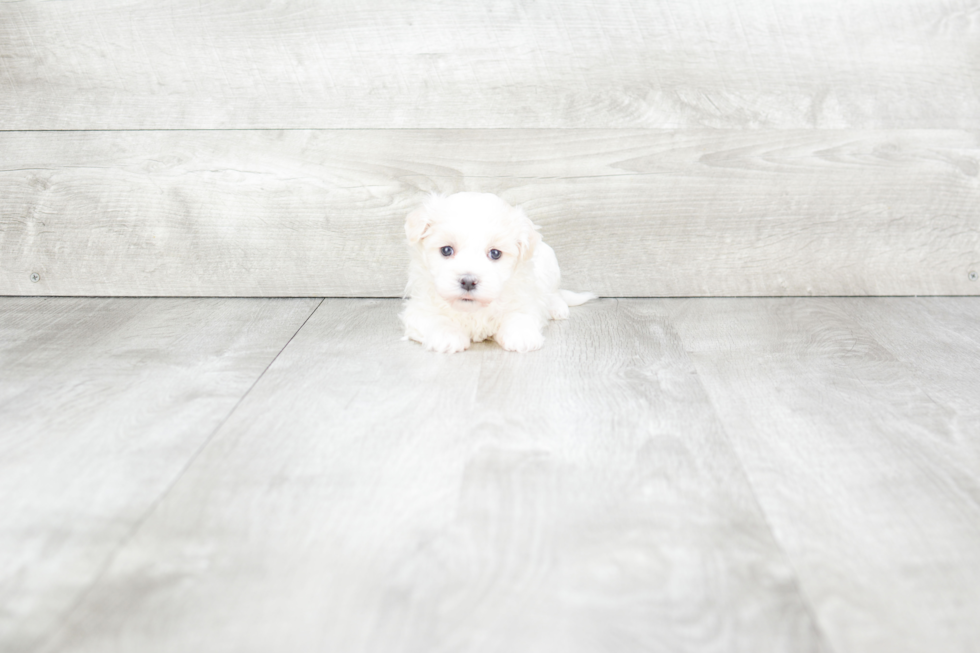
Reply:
x=665, y=475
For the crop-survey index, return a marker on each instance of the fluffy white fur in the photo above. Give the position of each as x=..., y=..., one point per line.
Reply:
x=459, y=293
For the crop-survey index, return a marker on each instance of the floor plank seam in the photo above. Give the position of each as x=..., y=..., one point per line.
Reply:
x=134, y=529
x=825, y=645
x=913, y=378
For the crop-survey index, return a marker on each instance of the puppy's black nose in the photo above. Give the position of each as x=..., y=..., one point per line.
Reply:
x=468, y=283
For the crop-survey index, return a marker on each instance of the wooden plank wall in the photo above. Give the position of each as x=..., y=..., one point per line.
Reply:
x=667, y=148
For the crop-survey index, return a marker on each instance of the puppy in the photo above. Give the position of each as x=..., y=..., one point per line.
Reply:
x=479, y=270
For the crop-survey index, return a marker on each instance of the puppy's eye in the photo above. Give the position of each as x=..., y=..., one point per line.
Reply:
x=447, y=251
x=494, y=254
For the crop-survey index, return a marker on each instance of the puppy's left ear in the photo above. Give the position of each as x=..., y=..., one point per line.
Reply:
x=528, y=237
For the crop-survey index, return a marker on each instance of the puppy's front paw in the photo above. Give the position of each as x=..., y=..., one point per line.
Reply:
x=521, y=334
x=447, y=341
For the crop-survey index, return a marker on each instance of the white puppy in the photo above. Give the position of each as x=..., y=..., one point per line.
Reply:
x=480, y=270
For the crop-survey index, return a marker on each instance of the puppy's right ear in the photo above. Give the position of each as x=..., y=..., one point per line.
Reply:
x=417, y=224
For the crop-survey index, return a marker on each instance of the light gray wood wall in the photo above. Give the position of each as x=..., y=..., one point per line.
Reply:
x=120, y=64
x=666, y=148
x=635, y=212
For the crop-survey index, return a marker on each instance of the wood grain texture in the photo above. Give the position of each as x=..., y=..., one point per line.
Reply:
x=939, y=342
x=629, y=212
x=103, y=402
x=125, y=64
x=862, y=451
x=370, y=496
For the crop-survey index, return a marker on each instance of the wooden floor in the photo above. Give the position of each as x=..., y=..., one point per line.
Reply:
x=665, y=475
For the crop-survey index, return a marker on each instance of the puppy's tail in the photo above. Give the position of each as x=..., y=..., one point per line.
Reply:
x=576, y=298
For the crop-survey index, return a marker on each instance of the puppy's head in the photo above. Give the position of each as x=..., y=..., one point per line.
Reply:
x=470, y=244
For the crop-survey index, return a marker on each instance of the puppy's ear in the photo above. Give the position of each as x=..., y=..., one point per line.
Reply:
x=419, y=221
x=528, y=236
x=417, y=224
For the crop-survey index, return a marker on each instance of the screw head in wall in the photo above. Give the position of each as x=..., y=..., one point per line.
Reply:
x=35, y=277
x=972, y=275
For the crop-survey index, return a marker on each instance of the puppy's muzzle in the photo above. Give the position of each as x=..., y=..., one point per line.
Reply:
x=468, y=282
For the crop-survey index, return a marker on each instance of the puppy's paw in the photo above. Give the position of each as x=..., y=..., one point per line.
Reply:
x=447, y=341
x=557, y=308
x=521, y=334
